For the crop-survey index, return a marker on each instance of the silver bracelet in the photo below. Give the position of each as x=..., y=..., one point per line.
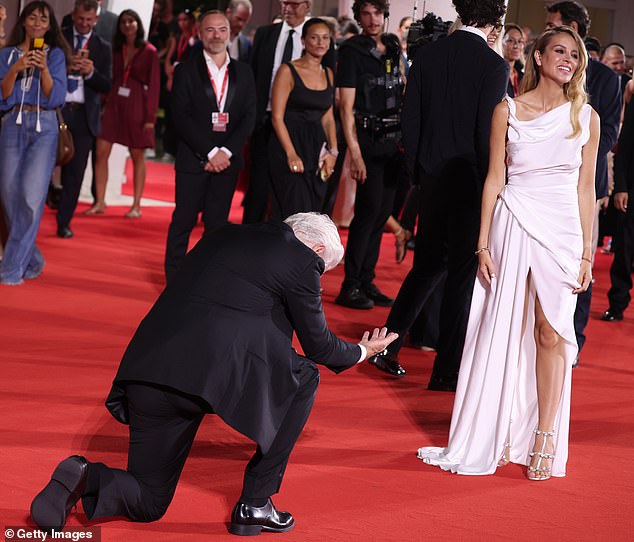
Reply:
x=483, y=249
x=334, y=153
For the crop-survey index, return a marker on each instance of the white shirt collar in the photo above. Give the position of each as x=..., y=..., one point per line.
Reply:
x=85, y=36
x=211, y=62
x=475, y=31
x=298, y=29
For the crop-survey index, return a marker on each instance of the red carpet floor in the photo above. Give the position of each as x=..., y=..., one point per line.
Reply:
x=354, y=475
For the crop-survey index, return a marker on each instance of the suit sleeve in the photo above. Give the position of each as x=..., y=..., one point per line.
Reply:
x=154, y=87
x=246, y=122
x=609, y=110
x=491, y=95
x=101, y=80
x=184, y=113
x=306, y=313
x=623, y=159
x=411, y=116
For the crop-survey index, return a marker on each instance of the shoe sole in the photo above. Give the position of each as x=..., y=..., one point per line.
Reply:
x=48, y=507
x=254, y=530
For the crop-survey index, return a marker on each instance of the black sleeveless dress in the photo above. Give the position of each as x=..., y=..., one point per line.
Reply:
x=301, y=192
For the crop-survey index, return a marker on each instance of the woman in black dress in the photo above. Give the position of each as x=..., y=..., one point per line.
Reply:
x=303, y=148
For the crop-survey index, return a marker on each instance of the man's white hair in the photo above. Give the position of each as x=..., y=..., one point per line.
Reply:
x=314, y=229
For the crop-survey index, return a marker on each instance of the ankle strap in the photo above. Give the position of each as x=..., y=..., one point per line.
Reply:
x=545, y=433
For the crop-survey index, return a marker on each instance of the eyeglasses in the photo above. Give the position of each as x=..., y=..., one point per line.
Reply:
x=515, y=43
x=291, y=5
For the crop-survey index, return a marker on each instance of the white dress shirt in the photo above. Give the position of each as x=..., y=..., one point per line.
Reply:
x=77, y=96
x=218, y=76
x=234, y=48
x=474, y=30
x=279, y=51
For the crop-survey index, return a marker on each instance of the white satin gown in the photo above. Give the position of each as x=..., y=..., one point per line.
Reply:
x=536, y=231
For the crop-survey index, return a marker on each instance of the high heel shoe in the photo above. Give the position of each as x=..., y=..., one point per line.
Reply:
x=506, y=455
x=540, y=471
x=135, y=212
x=95, y=210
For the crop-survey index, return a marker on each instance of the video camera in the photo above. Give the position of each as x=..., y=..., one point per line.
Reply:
x=423, y=31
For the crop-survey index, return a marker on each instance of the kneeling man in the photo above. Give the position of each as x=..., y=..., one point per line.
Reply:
x=218, y=340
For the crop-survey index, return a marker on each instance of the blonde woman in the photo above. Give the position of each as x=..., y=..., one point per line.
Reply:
x=513, y=397
x=513, y=44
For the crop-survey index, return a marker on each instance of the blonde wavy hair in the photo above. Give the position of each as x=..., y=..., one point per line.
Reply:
x=575, y=89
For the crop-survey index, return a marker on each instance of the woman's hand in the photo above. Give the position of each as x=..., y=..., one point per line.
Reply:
x=585, y=277
x=295, y=163
x=400, y=241
x=485, y=266
x=357, y=168
x=38, y=59
x=329, y=164
x=22, y=63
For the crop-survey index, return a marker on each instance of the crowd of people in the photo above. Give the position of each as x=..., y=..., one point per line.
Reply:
x=489, y=150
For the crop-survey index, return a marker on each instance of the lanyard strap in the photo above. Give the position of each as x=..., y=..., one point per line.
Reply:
x=127, y=68
x=220, y=96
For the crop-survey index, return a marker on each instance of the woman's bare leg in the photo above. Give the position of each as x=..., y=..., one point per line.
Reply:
x=138, y=165
x=101, y=175
x=549, y=371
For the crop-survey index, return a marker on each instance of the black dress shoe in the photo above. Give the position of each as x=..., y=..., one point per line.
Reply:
x=439, y=383
x=51, y=506
x=64, y=232
x=354, y=298
x=379, y=298
x=250, y=520
x=612, y=315
x=387, y=363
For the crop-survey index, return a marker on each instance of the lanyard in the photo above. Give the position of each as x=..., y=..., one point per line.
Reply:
x=220, y=96
x=127, y=69
x=183, y=43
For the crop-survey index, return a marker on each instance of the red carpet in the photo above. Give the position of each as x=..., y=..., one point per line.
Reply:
x=354, y=475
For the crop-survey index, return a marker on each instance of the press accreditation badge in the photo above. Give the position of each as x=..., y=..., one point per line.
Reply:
x=219, y=121
x=124, y=92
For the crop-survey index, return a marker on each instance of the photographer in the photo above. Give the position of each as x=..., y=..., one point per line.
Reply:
x=33, y=74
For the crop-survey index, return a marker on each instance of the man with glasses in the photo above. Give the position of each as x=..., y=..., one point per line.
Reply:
x=273, y=45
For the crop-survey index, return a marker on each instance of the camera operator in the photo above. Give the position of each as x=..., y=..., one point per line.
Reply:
x=371, y=89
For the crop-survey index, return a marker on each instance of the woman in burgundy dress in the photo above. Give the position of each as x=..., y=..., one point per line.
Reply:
x=131, y=106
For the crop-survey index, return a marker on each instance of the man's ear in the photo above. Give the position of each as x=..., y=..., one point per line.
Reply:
x=319, y=249
x=574, y=26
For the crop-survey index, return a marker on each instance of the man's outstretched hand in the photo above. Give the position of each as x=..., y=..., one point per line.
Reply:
x=378, y=342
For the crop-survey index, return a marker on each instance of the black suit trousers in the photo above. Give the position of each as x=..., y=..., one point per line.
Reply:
x=163, y=425
x=257, y=197
x=73, y=172
x=621, y=269
x=210, y=193
x=448, y=227
x=372, y=207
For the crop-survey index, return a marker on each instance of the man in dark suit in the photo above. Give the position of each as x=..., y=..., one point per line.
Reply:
x=453, y=87
x=604, y=93
x=218, y=340
x=239, y=12
x=89, y=76
x=213, y=105
x=105, y=25
x=273, y=45
x=623, y=239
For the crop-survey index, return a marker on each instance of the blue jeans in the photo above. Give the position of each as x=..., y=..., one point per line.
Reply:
x=27, y=159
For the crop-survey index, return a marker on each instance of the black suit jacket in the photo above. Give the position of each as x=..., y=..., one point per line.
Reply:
x=244, y=49
x=193, y=101
x=453, y=87
x=624, y=157
x=222, y=330
x=262, y=58
x=100, y=52
x=605, y=97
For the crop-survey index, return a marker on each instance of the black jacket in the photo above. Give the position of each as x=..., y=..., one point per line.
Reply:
x=100, y=53
x=453, y=87
x=624, y=157
x=222, y=329
x=605, y=97
x=193, y=101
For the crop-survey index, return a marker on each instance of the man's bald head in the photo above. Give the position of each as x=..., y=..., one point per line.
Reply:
x=614, y=57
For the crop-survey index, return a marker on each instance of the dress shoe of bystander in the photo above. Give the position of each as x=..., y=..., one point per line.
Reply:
x=441, y=383
x=379, y=298
x=612, y=315
x=51, y=506
x=387, y=363
x=354, y=298
x=64, y=232
x=251, y=520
